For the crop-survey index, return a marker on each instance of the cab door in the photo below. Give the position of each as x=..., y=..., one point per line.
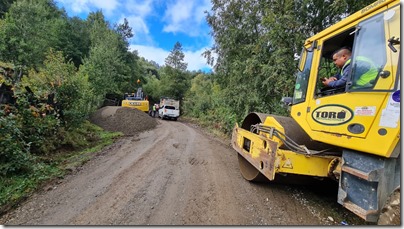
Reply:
x=378, y=40
x=353, y=111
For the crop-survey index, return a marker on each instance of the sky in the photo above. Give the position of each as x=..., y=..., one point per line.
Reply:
x=156, y=24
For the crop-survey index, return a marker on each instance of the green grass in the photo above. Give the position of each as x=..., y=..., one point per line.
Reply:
x=16, y=188
x=77, y=158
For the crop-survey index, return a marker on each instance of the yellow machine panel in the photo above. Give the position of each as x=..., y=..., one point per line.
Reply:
x=137, y=101
x=142, y=105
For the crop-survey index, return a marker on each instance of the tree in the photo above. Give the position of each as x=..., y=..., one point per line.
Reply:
x=111, y=68
x=255, y=41
x=124, y=30
x=4, y=6
x=150, y=67
x=133, y=68
x=152, y=89
x=29, y=30
x=199, y=97
x=245, y=51
x=78, y=37
x=175, y=81
x=176, y=58
x=69, y=90
x=316, y=15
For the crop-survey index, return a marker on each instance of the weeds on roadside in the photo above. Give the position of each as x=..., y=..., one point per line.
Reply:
x=78, y=146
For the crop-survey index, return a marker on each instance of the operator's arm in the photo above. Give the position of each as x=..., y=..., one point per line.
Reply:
x=337, y=83
x=327, y=81
x=342, y=81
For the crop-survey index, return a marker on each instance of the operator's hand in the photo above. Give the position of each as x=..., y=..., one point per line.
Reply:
x=327, y=81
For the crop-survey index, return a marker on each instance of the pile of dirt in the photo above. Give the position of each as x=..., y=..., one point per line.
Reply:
x=129, y=121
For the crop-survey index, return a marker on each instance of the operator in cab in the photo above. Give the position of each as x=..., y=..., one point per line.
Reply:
x=341, y=59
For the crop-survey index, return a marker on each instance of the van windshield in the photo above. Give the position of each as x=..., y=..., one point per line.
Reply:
x=170, y=107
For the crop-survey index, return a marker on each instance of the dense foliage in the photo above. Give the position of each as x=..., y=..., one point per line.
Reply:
x=255, y=45
x=57, y=70
x=54, y=71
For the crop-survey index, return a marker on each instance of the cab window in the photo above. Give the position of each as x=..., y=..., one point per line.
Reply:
x=302, y=77
x=369, y=57
x=327, y=67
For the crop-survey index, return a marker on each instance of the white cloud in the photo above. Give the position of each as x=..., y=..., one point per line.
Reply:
x=79, y=6
x=186, y=16
x=109, y=5
x=141, y=8
x=194, y=59
x=136, y=12
x=151, y=53
x=180, y=11
x=137, y=24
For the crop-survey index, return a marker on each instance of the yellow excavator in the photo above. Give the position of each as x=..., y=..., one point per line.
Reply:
x=349, y=134
x=138, y=101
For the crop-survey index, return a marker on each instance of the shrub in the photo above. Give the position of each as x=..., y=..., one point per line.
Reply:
x=15, y=154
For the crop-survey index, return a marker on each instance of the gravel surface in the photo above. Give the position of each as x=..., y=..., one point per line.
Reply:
x=127, y=120
x=171, y=173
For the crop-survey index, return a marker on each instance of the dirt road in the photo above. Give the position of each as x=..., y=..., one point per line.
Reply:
x=171, y=175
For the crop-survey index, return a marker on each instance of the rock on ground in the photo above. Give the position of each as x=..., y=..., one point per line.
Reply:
x=129, y=121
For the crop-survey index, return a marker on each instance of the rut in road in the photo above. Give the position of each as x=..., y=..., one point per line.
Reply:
x=171, y=175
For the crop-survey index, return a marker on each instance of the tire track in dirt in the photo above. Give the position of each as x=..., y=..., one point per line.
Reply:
x=132, y=187
x=172, y=175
